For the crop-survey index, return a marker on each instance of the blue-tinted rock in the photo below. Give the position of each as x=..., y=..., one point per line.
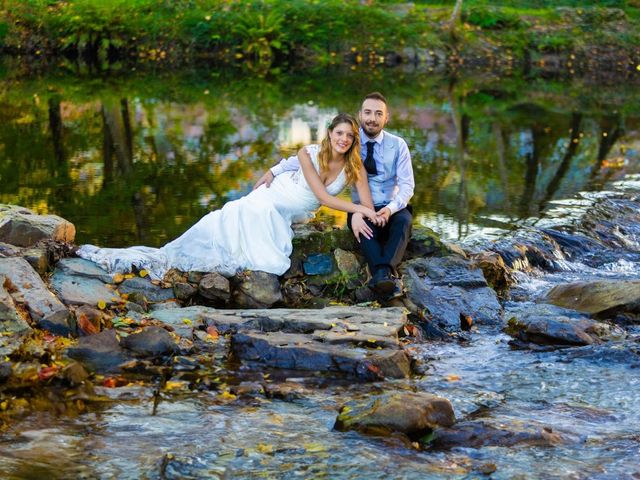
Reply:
x=319, y=264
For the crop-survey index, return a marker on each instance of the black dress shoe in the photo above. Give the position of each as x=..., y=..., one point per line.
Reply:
x=396, y=292
x=382, y=283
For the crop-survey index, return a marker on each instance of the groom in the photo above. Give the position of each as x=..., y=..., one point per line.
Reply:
x=388, y=164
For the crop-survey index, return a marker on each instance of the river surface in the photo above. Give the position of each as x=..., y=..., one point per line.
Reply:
x=137, y=158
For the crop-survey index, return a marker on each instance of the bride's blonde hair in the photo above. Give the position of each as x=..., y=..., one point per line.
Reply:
x=352, y=159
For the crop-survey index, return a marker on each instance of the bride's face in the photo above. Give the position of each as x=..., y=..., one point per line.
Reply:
x=342, y=138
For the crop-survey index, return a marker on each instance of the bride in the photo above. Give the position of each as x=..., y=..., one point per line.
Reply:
x=254, y=232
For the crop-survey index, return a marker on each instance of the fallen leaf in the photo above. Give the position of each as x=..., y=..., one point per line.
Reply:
x=102, y=304
x=265, y=448
x=47, y=372
x=452, y=377
x=143, y=273
x=117, y=278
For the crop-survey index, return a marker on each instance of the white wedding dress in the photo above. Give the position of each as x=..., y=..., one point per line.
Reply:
x=253, y=232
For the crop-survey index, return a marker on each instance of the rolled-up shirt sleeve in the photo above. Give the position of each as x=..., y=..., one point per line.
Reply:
x=404, y=179
x=290, y=164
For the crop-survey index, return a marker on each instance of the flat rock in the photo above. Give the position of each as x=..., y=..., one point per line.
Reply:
x=100, y=353
x=22, y=227
x=551, y=325
x=82, y=290
x=597, y=298
x=43, y=307
x=83, y=268
x=151, y=342
x=414, y=414
x=448, y=289
x=144, y=286
x=299, y=352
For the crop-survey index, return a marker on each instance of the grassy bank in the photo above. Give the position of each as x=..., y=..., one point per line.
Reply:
x=275, y=32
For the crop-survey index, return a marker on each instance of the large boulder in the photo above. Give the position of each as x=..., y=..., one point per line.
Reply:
x=414, y=414
x=450, y=292
x=598, y=298
x=43, y=307
x=214, y=286
x=22, y=227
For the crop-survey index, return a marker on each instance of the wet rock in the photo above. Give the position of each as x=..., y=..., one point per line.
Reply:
x=446, y=290
x=21, y=227
x=88, y=320
x=602, y=298
x=184, y=291
x=295, y=293
x=82, y=290
x=529, y=249
x=626, y=352
x=5, y=371
x=310, y=241
x=287, y=391
x=215, y=287
x=477, y=434
x=496, y=273
x=150, y=342
x=413, y=414
x=347, y=262
x=550, y=325
x=144, y=286
x=43, y=307
x=100, y=353
x=257, y=290
x=299, y=352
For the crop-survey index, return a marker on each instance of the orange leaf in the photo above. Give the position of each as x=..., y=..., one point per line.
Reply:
x=212, y=331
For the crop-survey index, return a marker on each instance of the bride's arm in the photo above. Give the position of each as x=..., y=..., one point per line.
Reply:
x=319, y=190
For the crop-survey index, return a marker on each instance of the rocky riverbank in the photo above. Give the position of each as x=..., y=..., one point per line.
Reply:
x=69, y=329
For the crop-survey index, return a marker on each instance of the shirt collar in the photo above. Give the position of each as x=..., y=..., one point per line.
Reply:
x=364, y=139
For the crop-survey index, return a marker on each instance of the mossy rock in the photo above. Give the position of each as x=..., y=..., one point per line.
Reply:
x=309, y=241
x=426, y=242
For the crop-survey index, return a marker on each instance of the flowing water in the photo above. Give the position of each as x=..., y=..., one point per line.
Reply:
x=137, y=158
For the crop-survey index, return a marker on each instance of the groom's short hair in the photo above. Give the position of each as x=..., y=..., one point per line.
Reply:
x=375, y=96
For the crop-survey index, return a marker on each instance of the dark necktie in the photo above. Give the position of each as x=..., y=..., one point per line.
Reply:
x=369, y=162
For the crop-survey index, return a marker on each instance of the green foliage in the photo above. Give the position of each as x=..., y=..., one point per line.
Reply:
x=4, y=28
x=492, y=18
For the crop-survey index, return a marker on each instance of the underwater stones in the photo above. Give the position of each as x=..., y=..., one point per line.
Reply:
x=413, y=414
x=22, y=227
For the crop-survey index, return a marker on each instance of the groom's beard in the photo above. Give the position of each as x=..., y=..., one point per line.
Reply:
x=372, y=130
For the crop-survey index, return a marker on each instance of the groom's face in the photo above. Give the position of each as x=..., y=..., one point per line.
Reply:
x=373, y=116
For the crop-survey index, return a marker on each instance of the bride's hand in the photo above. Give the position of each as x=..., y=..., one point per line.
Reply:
x=369, y=213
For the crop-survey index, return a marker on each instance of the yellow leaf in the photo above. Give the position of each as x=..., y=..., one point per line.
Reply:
x=102, y=304
x=227, y=395
x=314, y=447
x=172, y=385
x=187, y=321
x=265, y=448
x=4, y=405
x=118, y=278
x=143, y=273
x=129, y=275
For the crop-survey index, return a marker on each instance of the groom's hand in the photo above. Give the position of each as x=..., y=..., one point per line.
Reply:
x=360, y=227
x=383, y=216
x=265, y=179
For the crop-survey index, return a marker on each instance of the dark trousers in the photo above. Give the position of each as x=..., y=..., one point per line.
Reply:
x=387, y=245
